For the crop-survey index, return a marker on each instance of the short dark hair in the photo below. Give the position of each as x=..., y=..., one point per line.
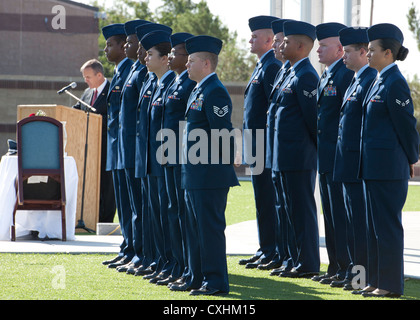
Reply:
x=358, y=46
x=399, y=52
x=94, y=64
x=164, y=48
x=120, y=38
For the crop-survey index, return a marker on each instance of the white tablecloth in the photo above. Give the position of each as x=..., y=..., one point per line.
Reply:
x=47, y=223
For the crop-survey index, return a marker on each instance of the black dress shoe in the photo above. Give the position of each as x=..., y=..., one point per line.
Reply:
x=160, y=276
x=243, y=262
x=385, y=295
x=119, y=263
x=329, y=280
x=255, y=264
x=124, y=267
x=318, y=278
x=144, y=271
x=340, y=283
x=293, y=273
x=206, y=291
x=116, y=259
x=361, y=291
x=166, y=281
x=181, y=287
x=271, y=265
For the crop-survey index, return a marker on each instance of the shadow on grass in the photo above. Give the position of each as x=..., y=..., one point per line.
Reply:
x=258, y=288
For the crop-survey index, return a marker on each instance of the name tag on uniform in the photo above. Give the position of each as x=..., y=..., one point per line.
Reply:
x=377, y=99
x=330, y=91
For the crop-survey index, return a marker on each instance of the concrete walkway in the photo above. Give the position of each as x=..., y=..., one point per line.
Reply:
x=241, y=239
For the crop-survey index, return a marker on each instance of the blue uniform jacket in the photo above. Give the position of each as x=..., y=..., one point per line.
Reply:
x=295, y=120
x=347, y=154
x=271, y=115
x=127, y=120
x=331, y=92
x=176, y=100
x=390, y=141
x=256, y=100
x=114, y=104
x=142, y=125
x=209, y=107
x=155, y=115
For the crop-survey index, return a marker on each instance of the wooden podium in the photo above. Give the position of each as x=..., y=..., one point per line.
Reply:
x=76, y=139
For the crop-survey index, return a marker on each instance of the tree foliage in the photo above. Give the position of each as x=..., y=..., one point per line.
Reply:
x=235, y=64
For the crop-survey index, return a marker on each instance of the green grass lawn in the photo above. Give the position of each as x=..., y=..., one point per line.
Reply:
x=83, y=277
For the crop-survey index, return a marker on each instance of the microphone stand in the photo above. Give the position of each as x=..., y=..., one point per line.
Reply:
x=80, y=222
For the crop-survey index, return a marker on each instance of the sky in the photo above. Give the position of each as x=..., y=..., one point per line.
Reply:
x=235, y=14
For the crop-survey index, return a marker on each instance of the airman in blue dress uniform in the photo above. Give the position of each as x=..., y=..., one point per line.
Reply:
x=207, y=181
x=282, y=253
x=331, y=89
x=346, y=166
x=389, y=150
x=142, y=135
x=126, y=141
x=294, y=151
x=255, y=115
x=157, y=45
x=175, y=105
x=115, y=40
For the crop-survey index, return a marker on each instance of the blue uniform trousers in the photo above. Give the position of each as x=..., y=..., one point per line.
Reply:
x=207, y=207
x=134, y=193
x=335, y=225
x=265, y=201
x=298, y=187
x=176, y=218
x=354, y=200
x=284, y=232
x=122, y=201
x=385, y=201
x=158, y=200
x=149, y=248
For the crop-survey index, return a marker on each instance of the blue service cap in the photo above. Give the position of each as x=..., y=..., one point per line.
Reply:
x=385, y=31
x=299, y=28
x=261, y=22
x=153, y=38
x=328, y=30
x=203, y=43
x=144, y=29
x=113, y=30
x=179, y=37
x=130, y=26
x=353, y=35
x=277, y=25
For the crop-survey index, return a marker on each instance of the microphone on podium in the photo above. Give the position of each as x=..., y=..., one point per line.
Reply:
x=70, y=86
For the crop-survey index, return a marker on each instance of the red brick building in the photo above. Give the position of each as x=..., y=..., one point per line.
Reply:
x=43, y=45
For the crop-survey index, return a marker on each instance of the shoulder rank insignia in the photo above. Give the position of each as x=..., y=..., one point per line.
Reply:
x=402, y=104
x=221, y=112
x=309, y=94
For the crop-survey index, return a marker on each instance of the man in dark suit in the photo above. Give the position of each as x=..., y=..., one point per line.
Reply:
x=331, y=89
x=355, y=42
x=294, y=149
x=255, y=116
x=207, y=180
x=95, y=95
x=115, y=37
